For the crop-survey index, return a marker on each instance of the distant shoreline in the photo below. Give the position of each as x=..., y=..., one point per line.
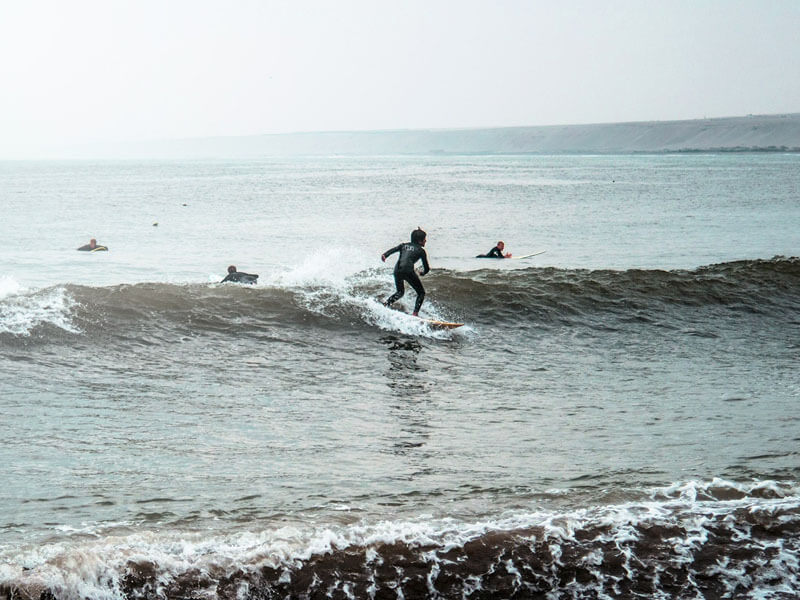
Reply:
x=736, y=150
x=767, y=150
x=755, y=133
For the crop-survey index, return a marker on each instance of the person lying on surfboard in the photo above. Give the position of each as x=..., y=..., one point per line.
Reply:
x=235, y=276
x=496, y=252
x=92, y=246
x=404, y=271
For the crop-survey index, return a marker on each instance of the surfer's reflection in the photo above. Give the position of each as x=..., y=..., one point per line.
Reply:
x=408, y=383
x=404, y=369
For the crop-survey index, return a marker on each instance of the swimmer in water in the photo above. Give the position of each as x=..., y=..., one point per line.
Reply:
x=235, y=276
x=404, y=271
x=92, y=246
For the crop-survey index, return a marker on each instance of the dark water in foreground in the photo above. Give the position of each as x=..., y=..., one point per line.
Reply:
x=589, y=433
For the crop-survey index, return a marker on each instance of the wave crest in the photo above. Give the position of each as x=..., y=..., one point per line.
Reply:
x=22, y=313
x=523, y=298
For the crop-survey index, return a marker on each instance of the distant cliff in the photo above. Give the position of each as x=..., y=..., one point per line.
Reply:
x=762, y=133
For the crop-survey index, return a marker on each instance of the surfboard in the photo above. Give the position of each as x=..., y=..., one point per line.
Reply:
x=529, y=255
x=247, y=278
x=99, y=249
x=434, y=324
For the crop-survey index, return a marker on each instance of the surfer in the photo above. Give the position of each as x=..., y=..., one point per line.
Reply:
x=92, y=246
x=404, y=271
x=496, y=252
x=235, y=276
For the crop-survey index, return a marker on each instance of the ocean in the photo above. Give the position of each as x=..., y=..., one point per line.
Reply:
x=617, y=418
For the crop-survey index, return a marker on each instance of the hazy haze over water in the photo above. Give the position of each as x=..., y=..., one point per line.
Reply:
x=106, y=72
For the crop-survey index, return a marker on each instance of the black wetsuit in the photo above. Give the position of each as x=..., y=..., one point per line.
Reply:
x=88, y=248
x=493, y=253
x=239, y=277
x=410, y=253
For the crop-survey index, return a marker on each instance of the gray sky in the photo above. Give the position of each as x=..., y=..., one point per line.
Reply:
x=83, y=71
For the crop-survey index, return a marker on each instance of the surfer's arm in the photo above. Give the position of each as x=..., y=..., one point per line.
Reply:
x=425, y=267
x=390, y=251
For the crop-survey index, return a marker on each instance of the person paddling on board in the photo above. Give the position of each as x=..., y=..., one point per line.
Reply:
x=235, y=276
x=92, y=246
x=496, y=252
x=404, y=271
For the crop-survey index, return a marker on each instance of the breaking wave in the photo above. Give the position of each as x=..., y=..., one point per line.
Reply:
x=529, y=297
x=717, y=539
x=23, y=312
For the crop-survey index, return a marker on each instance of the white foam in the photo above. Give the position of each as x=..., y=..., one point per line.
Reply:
x=695, y=491
x=86, y=567
x=334, y=280
x=8, y=286
x=20, y=312
x=393, y=320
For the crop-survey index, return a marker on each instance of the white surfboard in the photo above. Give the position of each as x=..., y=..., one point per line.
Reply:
x=529, y=255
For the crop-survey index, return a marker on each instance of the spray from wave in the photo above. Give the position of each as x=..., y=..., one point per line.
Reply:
x=21, y=312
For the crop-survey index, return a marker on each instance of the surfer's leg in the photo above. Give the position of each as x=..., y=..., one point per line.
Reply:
x=401, y=289
x=413, y=279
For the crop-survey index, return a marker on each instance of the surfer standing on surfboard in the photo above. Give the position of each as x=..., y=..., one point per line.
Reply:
x=404, y=269
x=496, y=252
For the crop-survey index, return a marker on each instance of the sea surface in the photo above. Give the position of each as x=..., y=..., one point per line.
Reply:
x=617, y=418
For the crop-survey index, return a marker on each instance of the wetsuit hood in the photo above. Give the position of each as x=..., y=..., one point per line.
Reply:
x=418, y=236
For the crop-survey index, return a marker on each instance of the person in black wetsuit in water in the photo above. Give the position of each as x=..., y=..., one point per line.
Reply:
x=235, y=276
x=92, y=246
x=404, y=269
x=496, y=252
